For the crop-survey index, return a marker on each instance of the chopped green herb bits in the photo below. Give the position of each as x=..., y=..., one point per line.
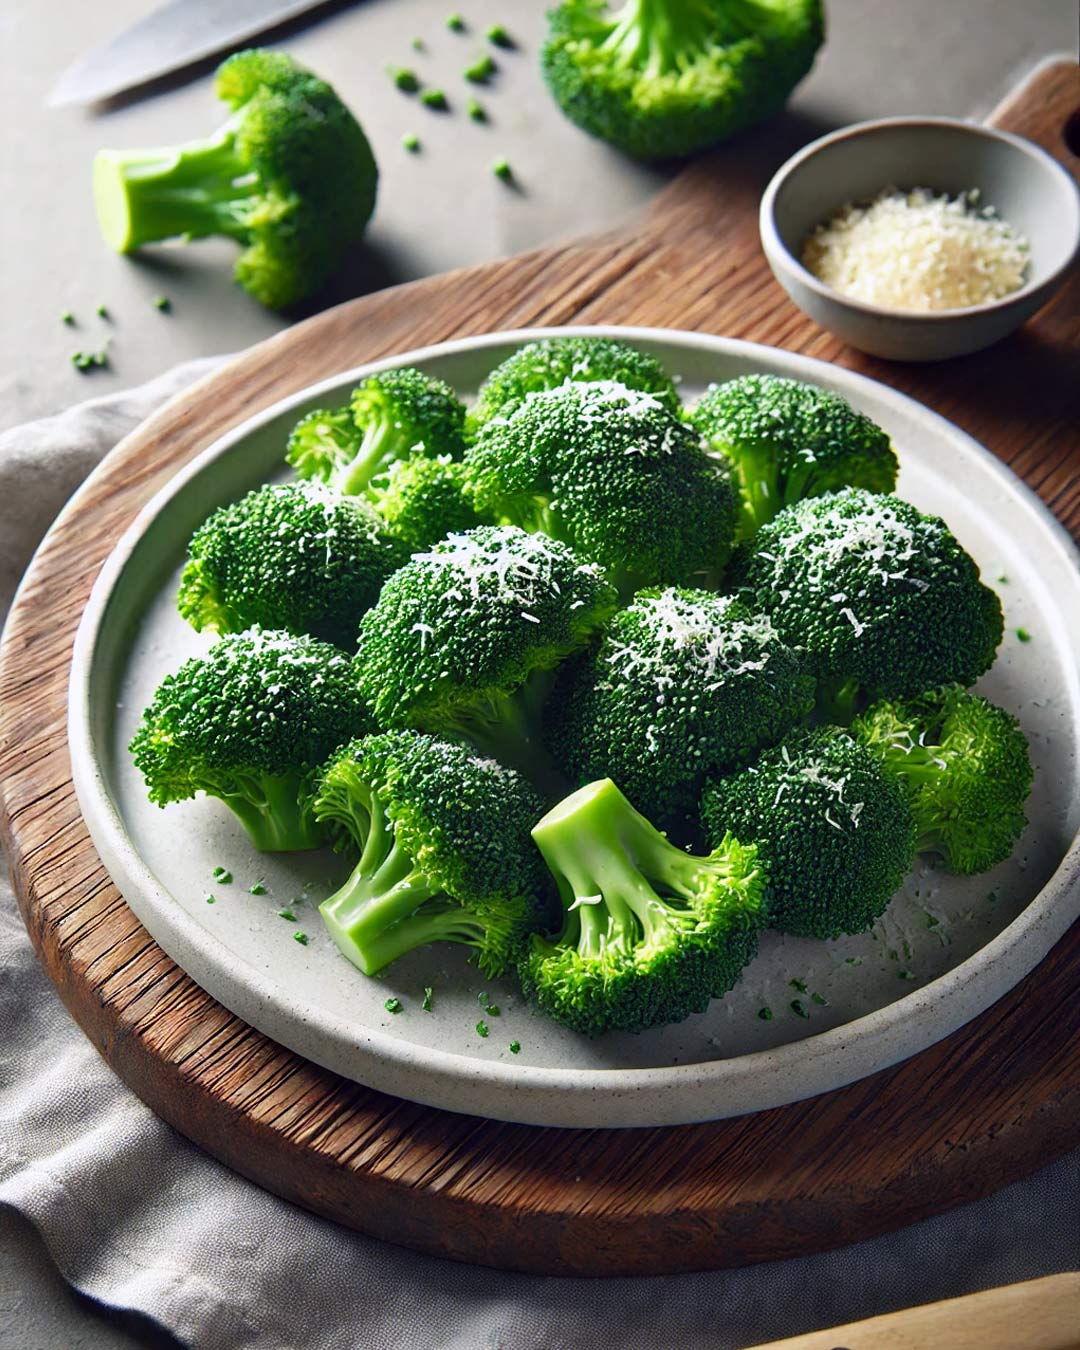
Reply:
x=67, y=317
x=287, y=915
x=515, y=1047
x=411, y=142
x=905, y=975
x=820, y=1000
x=481, y=70
x=1023, y=635
x=211, y=899
x=455, y=22
x=434, y=98
x=482, y=1030
x=222, y=875
x=302, y=938
x=852, y=960
x=257, y=888
x=799, y=985
x=102, y=312
x=932, y=920
x=799, y=1008
x=498, y=35
x=429, y=998
x=163, y=303
x=394, y=1005
x=492, y=1010
x=476, y=110
x=501, y=169
x=765, y=1014
x=405, y=79
x=482, y=999
x=417, y=44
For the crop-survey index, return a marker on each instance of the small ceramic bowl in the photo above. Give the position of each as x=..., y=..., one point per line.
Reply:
x=1024, y=184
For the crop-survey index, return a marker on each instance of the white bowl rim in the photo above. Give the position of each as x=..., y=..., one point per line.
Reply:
x=775, y=246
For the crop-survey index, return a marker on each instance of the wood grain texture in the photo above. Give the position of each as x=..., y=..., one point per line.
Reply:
x=987, y=1105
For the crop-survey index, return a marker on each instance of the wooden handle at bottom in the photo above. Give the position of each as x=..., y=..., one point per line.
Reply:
x=1037, y=1315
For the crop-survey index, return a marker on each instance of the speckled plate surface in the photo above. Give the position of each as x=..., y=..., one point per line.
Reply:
x=945, y=950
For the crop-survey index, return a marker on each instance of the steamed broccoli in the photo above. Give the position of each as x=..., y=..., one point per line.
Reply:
x=877, y=597
x=613, y=473
x=966, y=768
x=682, y=685
x=290, y=176
x=445, y=853
x=663, y=78
x=551, y=362
x=458, y=632
x=422, y=500
x=391, y=416
x=650, y=934
x=835, y=831
x=250, y=722
x=288, y=555
x=787, y=440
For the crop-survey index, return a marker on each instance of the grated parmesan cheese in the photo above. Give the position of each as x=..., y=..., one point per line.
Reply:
x=915, y=251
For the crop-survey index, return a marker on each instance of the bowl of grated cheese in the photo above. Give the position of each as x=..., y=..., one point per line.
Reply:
x=921, y=238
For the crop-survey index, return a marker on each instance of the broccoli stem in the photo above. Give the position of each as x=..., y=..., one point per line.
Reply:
x=505, y=727
x=838, y=701
x=382, y=443
x=658, y=36
x=197, y=189
x=274, y=814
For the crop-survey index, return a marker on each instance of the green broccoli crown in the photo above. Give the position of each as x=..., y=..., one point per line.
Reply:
x=392, y=416
x=966, y=767
x=445, y=853
x=613, y=473
x=835, y=831
x=423, y=500
x=551, y=362
x=682, y=685
x=667, y=78
x=876, y=596
x=787, y=440
x=249, y=722
x=650, y=934
x=459, y=629
x=288, y=555
x=290, y=176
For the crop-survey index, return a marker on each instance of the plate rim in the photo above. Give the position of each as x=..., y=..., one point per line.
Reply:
x=575, y=1098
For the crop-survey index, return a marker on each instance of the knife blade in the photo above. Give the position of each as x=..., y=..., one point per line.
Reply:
x=180, y=32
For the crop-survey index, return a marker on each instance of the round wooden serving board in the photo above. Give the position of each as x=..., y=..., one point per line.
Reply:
x=982, y=1108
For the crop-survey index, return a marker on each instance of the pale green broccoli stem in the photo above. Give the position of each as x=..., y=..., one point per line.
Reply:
x=915, y=765
x=658, y=36
x=275, y=815
x=382, y=443
x=504, y=727
x=197, y=189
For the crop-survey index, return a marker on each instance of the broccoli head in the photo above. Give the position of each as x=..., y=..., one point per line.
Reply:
x=422, y=500
x=251, y=722
x=391, y=416
x=877, y=597
x=613, y=473
x=786, y=440
x=834, y=829
x=290, y=176
x=667, y=78
x=459, y=630
x=650, y=934
x=554, y=361
x=966, y=767
x=288, y=555
x=444, y=851
x=681, y=685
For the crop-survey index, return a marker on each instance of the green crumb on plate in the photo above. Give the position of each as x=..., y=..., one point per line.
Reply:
x=765, y=1014
x=211, y=899
x=501, y=169
x=455, y=22
x=102, y=312
x=417, y=44
x=905, y=975
x=852, y=960
x=405, y=79
x=515, y=1047
x=932, y=920
x=1003, y=580
x=67, y=317
x=798, y=985
x=476, y=110
x=411, y=142
x=429, y=998
x=482, y=1030
x=498, y=35
x=1023, y=635
x=820, y=1000
x=302, y=938
x=286, y=914
x=163, y=303
x=434, y=98
x=222, y=875
x=799, y=1008
x=257, y=888
x=481, y=70
x=394, y=1005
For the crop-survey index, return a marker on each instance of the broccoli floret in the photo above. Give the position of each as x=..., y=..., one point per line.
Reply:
x=682, y=685
x=965, y=764
x=251, y=722
x=787, y=440
x=391, y=416
x=423, y=500
x=877, y=597
x=551, y=362
x=289, y=555
x=650, y=934
x=290, y=176
x=458, y=632
x=444, y=851
x=835, y=831
x=613, y=473
x=664, y=78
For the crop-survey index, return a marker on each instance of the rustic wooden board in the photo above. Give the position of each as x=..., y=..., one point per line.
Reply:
x=988, y=1105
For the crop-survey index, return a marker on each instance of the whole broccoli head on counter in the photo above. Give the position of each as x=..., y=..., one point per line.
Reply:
x=666, y=78
x=290, y=176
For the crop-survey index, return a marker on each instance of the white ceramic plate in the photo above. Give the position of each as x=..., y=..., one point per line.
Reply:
x=945, y=950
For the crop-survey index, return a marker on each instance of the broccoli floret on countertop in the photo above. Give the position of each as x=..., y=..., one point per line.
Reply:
x=680, y=686
x=609, y=470
x=294, y=556
x=290, y=176
x=460, y=634
x=551, y=362
x=878, y=598
x=391, y=416
x=835, y=831
x=663, y=78
x=787, y=440
x=444, y=851
x=250, y=723
x=966, y=767
x=649, y=934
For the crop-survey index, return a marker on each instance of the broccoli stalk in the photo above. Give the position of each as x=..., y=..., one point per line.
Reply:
x=274, y=809
x=655, y=37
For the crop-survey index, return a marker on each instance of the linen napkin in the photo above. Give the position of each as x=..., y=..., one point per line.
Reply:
x=225, y=1265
